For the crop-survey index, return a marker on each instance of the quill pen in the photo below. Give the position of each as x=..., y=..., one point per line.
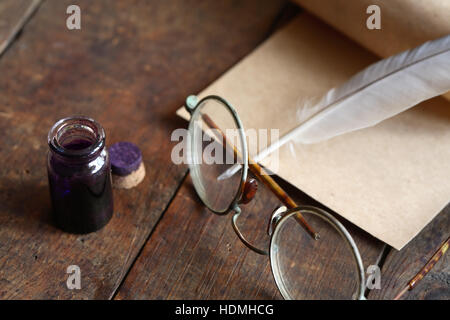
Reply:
x=378, y=92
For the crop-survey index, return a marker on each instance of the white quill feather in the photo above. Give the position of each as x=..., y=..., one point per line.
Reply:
x=379, y=92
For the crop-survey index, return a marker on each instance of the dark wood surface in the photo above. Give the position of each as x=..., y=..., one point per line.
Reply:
x=130, y=67
x=204, y=259
x=13, y=16
x=400, y=267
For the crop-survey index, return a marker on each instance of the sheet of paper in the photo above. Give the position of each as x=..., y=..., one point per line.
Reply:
x=404, y=24
x=391, y=179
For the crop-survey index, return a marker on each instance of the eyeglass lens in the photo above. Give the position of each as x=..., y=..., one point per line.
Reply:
x=305, y=268
x=215, y=137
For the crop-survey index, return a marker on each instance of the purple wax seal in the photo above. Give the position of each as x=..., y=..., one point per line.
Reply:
x=125, y=158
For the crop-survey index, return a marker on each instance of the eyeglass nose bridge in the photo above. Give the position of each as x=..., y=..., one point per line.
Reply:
x=276, y=216
x=234, y=218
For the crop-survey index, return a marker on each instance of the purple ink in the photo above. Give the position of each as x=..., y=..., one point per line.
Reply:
x=79, y=174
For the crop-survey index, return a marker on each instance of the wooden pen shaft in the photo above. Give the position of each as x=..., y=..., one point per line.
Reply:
x=429, y=265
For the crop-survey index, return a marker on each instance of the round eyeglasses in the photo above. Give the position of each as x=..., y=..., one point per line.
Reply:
x=217, y=145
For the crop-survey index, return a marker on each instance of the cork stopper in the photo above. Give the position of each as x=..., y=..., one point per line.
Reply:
x=126, y=164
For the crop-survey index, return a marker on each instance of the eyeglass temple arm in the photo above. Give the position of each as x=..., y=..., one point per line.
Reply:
x=425, y=269
x=262, y=175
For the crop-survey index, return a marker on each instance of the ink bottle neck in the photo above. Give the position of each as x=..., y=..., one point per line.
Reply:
x=76, y=140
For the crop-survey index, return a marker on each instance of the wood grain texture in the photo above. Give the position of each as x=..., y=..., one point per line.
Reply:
x=401, y=266
x=13, y=16
x=129, y=67
x=194, y=254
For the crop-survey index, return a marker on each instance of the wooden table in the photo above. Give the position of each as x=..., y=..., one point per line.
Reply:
x=130, y=67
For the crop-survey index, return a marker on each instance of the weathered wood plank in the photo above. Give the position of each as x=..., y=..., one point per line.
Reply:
x=13, y=16
x=129, y=67
x=401, y=266
x=194, y=254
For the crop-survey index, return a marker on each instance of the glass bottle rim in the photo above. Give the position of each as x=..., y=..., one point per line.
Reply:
x=82, y=123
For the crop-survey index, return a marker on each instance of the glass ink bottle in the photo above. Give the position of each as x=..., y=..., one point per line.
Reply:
x=79, y=174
